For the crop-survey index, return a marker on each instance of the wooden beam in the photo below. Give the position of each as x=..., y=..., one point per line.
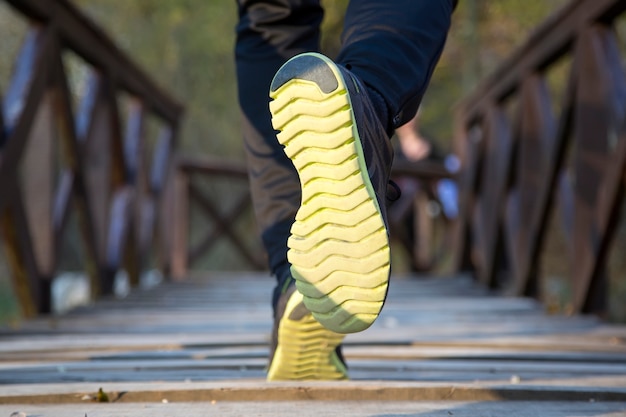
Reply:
x=551, y=40
x=599, y=162
x=84, y=37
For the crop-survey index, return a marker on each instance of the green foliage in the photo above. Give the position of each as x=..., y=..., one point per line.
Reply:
x=187, y=45
x=9, y=308
x=12, y=31
x=483, y=34
x=332, y=26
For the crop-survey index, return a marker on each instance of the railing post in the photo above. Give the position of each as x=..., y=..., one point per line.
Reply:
x=180, y=224
x=600, y=154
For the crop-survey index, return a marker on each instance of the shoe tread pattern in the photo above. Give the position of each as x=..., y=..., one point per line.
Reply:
x=338, y=248
x=306, y=350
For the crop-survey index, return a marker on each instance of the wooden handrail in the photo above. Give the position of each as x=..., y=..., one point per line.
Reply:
x=188, y=195
x=56, y=159
x=84, y=37
x=550, y=41
x=425, y=169
x=423, y=254
x=212, y=166
x=516, y=163
x=418, y=220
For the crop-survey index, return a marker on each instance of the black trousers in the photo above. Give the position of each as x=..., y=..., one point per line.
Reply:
x=391, y=45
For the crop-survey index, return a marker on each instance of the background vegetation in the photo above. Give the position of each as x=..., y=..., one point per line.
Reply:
x=187, y=45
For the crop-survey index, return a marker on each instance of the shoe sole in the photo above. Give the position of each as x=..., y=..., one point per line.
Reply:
x=339, y=246
x=306, y=349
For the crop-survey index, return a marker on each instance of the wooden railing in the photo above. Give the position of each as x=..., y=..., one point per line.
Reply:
x=419, y=220
x=224, y=202
x=97, y=159
x=533, y=148
x=424, y=243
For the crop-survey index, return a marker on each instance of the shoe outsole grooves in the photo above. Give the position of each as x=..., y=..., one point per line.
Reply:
x=306, y=350
x=339, y=246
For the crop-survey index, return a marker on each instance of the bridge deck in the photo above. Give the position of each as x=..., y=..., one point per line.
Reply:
x=442, y=347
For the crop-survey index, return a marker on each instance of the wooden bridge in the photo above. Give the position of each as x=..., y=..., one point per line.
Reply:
x=542, y=162
x=441, y=347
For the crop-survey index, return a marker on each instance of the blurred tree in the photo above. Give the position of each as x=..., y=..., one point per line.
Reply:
x=188, y=46
x=483, y=34
x=12, y=30
x=332, y=26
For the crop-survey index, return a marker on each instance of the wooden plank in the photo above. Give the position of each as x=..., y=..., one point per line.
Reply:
x=179, y=230
x=307, y=408
x=495, y=180
x=205, y=341
x=537, y=135
x=120, y=224
x=599, y=131
x=37, y=183
x=250, y=363
x=32, y=292
x=468, y=182
x=212, y=166
x=424, y=169
x=250, y=390
x=162, y=159
x=25, y=95
x=95, y=126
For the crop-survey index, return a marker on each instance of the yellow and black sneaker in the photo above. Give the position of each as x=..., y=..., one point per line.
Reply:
x=303, y=349
x=339, y=243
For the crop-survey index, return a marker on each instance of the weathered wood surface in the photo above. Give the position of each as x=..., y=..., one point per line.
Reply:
x=335, y=408
x=441, y=347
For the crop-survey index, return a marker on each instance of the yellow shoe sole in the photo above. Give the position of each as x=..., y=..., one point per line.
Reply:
x=339, y=245
x=306, y=349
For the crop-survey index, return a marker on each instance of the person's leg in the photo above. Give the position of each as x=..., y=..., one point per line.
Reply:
x=268, y=34
x=393, y=47
x=334, y=120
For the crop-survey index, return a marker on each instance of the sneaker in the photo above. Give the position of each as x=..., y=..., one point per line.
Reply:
x=339, y=243
x=303, y=349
